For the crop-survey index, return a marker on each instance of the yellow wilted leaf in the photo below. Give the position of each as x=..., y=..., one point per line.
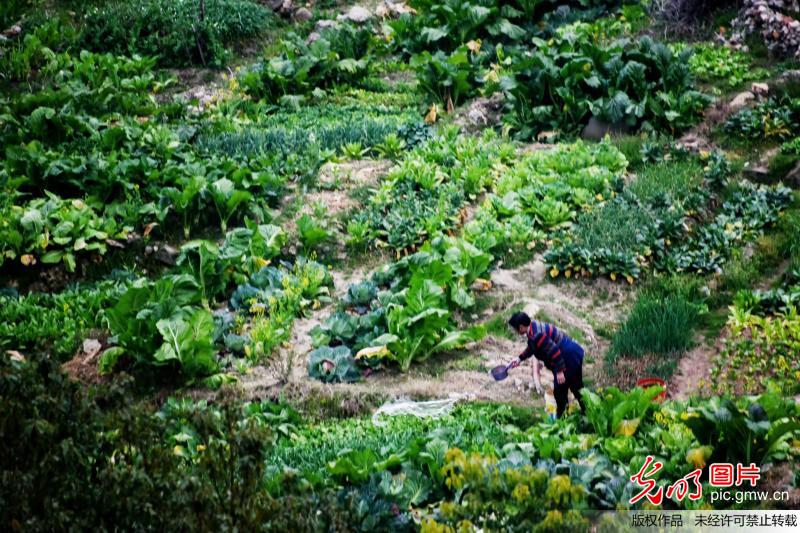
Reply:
x=553, y=272
x=568, y=274
x=613, y=276
x=373, y=352
x=697, y=457
x=27, y=260
x=629, y=278
x=78, y=204
x=598, y=197
x=430, y=118
x=178, y=450
x=474, y=46
x=627, y=427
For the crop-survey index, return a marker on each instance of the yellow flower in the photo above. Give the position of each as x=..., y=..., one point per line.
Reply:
x=521, y=492
x=553, y=272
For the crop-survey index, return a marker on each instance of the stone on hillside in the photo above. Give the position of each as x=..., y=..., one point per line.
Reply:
x=757, y=173
x=792, y=179
x=390, y=9
x=358, y=14
x=481, y=113
x=596, y=129
x=303, y=15
x=760, y=89
x=740, y=101
x=324, y=24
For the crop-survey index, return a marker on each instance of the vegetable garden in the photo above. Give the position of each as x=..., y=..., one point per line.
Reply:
x=229, y=233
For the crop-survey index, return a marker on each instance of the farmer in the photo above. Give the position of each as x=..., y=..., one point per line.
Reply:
x=560, y=354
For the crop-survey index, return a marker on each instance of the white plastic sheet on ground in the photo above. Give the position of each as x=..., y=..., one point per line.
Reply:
x=426, y=409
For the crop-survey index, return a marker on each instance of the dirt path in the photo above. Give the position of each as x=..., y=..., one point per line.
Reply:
x=694, y=371
x=575, y=306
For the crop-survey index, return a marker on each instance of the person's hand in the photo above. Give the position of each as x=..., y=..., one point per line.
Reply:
x=561, y=378
x=514, y=364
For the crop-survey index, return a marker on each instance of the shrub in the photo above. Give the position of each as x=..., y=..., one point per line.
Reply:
x=174, y=30
x=96, y=461
x=561, y=83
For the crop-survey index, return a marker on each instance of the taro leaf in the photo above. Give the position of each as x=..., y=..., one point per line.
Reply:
x=108, y=359
x=268, y=240
x=38, y=122
x=431, y=35
x=507, y=28
x=461, y=296
x=32, y=221
x=311, y=231
x=189, y=342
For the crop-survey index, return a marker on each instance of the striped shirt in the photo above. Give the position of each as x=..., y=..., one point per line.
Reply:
x=544, y=341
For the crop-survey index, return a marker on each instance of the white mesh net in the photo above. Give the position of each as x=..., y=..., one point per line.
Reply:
x=426, y=409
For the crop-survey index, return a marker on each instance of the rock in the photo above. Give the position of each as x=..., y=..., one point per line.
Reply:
x=12, y=32
x=324, y=24
x=313, y=36
x=166, y=254
x=740, y=101
x=789, y=76
x=390, y=9
x=303, y=15
x=596, y=129
x=358, y=14
x=759, y=89
x=757, y=173
x=91, y=347
x=694, y=143
x=480, y=113
x=792, y=179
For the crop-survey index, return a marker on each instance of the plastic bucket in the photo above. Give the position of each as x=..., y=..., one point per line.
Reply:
x=650, y=382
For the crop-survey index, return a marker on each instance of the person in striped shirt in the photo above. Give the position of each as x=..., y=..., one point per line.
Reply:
x=559, y=354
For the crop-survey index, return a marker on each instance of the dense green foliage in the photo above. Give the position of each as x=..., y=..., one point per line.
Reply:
x=53, y=323
x=175, y=31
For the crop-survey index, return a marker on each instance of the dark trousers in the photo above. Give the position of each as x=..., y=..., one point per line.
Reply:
x=574, y=383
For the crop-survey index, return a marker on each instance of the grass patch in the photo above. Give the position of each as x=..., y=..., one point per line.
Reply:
x=172, y=29
x=631, y=148
x=662, y=320
x=675, y=179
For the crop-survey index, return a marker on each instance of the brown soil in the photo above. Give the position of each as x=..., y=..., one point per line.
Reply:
x=335, y=201
x=693, y=374
x=357, y=173
x=83, y=366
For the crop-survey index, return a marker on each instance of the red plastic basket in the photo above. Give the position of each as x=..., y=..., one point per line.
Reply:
x=650, y=382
